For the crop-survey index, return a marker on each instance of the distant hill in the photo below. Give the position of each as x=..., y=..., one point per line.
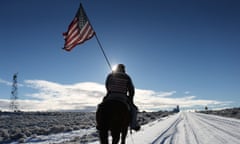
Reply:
x=231, y=112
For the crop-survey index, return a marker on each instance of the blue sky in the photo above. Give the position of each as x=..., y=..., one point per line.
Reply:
x=178, y=52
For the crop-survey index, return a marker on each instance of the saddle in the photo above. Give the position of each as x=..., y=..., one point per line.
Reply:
x=120, y=97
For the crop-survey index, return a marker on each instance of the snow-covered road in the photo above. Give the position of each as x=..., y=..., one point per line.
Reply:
x=189, y=128
x=181, y=128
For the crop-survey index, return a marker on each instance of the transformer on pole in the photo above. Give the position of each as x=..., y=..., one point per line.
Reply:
x=14, y=95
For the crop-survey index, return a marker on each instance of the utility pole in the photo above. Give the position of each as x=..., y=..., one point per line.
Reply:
x=14, y=95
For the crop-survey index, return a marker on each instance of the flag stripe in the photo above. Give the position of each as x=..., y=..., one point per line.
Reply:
x=71, y=28
x=73, y=25
x=82, y=36
x=85, y=31
x=73, y=32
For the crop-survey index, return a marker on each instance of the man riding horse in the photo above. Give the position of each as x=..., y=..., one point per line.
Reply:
x=120, y=88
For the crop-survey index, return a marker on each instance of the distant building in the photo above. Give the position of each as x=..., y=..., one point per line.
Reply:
x=176, y=110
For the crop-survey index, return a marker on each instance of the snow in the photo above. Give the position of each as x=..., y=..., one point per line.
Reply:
x=181, y=128
x=189, y=128
x=61, y=137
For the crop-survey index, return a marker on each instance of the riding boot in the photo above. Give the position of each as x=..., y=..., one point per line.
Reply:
x=134, y=123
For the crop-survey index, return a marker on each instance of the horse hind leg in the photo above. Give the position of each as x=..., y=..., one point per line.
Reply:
x=115, y=137
x=103, y=136
x=124, y=135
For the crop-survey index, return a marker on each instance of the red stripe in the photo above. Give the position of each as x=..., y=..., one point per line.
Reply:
x=71, y=38
x=72, y=31
x=85, y=34
x=80, y=41
x=70, y=27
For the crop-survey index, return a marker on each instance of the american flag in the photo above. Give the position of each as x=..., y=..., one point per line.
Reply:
x=79, y=30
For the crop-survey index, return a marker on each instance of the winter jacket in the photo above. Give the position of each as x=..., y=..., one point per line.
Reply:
x=119, y=87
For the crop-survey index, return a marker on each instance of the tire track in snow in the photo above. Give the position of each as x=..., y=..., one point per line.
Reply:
x=209, y=130
x=218, y=121
x=205, y=132
x=228, y=121
x=220, y=125
x=180, y=127
x=190, y=130
x=195, y=128
x=169, y=133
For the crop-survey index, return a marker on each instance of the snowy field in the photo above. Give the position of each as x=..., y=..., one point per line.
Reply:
x=180, y=128
x=56, y=127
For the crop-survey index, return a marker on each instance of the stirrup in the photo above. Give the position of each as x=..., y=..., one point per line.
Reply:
x=136, y=128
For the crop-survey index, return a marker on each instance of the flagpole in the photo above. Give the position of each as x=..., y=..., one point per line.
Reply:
x=103, y=52
x=100, y=45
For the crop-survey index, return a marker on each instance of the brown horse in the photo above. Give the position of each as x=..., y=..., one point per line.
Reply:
x=113, y=116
